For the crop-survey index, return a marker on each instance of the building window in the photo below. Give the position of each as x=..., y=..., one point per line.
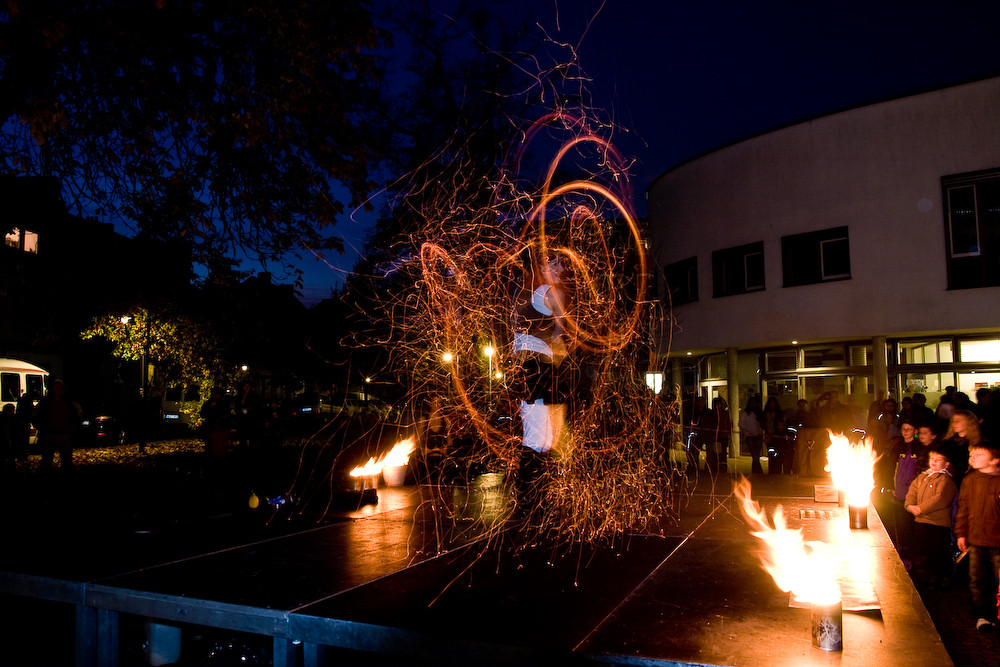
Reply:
x=860, y=355
x=926, y=351
x=22, y=239
x=682, y=281
x=30, y=242
x=972, y=229
x=980, y=350
x=777, y=361
x=738, y=270
x=931, y=385
x=815, y=257
x=824, y=356
x=715, y=367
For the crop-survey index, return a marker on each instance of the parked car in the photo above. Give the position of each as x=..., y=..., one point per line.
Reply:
x=351, y=407
x=311, y=405
x=103, y=429
x=377, y=408
x=179, y=404
x=22, y=381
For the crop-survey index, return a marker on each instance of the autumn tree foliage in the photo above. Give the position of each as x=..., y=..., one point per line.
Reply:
x=244, y=127
x=183, y=348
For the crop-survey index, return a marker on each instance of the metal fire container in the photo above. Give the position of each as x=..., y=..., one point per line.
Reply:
x=828, y=626
x=364, y=482
x=859, y=517
x=394, y=475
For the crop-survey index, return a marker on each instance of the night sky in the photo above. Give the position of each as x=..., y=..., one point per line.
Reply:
x=682, y=78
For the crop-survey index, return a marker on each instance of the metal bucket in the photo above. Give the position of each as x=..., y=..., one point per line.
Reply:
x=827, y=626
x=859, y=517
x=394, y=475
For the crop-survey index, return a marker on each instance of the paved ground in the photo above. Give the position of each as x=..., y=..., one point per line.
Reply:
x=950, y=610
x=171, y=491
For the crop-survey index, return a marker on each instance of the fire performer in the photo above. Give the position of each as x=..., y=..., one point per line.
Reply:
x=540, y=344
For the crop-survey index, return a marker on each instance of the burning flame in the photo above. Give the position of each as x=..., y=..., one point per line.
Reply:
x=852, y=467
x=369, y=469
x=804, y=568
x=399, y=455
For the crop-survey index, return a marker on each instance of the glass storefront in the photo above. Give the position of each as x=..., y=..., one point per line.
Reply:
x=967, y=363
x=810, y=371
x=927, y=365
x=981, y=349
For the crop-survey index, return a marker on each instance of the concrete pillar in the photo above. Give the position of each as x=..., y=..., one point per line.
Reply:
x=676, y=376
x=676, y=385
x=880, y=367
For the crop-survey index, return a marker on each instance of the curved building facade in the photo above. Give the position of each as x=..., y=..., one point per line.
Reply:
x=857, y=252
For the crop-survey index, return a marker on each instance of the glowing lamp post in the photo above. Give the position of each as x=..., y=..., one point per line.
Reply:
x=805, y=569
x=451, y=361
x=488, y=352
x=852, y=467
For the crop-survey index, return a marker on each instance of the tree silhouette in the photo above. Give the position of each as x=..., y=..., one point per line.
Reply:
x=236, y=125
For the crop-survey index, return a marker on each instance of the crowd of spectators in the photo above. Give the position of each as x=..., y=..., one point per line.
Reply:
x=939, y=475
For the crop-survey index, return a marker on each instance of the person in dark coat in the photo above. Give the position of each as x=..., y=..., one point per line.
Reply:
x=10, y=433
x=249, y=416
x=59, y=420
x=216, y=424
x=27, y=416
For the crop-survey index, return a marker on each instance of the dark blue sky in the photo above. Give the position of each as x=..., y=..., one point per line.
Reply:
x=688, y=77
x=681, y=78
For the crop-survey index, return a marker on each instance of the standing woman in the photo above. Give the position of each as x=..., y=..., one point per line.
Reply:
x=774, y=436
x=753, y=432
x=963, y=433
x=701, y=433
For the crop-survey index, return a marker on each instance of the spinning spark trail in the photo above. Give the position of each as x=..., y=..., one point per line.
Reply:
x=611, y=473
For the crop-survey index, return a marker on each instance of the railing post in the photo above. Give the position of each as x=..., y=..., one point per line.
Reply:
x=86, y=636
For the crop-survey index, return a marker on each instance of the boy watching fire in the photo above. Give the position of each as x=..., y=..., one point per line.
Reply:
x=977, y=529
x=929, y=499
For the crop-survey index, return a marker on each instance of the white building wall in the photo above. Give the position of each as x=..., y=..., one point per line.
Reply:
x=875, y=169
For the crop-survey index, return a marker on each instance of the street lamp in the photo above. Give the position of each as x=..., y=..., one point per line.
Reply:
x=447, y=358
x=489, y=351
x=127, y=320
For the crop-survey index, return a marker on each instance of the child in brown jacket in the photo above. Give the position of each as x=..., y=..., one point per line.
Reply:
x=977, y=529
x=930, y=499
